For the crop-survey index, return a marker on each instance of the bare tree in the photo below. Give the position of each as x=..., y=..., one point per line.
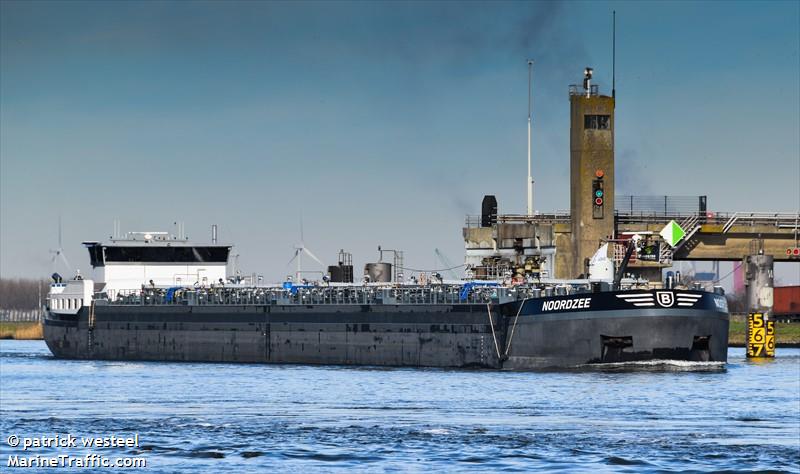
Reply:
x=737, y=302
x=21, y=293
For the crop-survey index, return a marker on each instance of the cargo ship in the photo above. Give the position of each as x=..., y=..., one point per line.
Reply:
x=162, y=298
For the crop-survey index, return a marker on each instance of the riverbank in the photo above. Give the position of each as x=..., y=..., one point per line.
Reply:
x=21, y=331
x=786, y=334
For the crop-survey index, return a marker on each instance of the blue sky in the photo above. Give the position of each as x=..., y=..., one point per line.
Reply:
x=381, y=123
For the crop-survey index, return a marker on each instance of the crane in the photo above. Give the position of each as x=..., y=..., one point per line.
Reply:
x=448, y=265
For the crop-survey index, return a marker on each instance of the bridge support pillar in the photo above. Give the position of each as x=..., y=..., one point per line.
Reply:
x=760, y=325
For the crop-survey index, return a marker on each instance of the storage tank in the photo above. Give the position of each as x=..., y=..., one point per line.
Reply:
x=341, y=273
x=347, y=273
x=378, y=272
x=335, y=271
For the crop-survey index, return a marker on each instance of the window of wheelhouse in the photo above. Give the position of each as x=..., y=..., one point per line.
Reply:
x=167, y=254
x=597, y=122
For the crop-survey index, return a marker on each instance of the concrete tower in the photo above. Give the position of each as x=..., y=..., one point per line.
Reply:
x=591, y=171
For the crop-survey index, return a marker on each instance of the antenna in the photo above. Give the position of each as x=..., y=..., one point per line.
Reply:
x=530, y=178
x=614, y=55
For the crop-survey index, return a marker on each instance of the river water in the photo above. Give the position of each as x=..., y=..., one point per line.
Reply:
x=251, y=418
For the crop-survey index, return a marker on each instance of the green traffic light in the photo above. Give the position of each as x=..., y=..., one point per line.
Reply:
x=599, y=193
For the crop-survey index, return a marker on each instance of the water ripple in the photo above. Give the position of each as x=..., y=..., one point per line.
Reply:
x=250, y=418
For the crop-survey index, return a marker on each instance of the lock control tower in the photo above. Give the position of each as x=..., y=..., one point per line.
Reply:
x=591, y=171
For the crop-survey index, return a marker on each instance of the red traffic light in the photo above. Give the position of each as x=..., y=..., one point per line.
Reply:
x=796, y=251
x=598, y=202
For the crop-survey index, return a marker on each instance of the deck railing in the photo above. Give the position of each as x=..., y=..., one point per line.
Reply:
x=469, y=293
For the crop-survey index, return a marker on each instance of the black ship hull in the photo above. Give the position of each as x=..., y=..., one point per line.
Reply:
x=538, y=333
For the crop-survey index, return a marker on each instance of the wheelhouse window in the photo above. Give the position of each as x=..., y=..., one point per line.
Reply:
x=167, y=254
x=597, y=122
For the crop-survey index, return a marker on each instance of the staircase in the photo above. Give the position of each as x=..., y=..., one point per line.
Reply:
x=690, y=225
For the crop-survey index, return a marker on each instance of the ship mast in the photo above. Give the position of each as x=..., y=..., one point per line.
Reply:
x=530, y=178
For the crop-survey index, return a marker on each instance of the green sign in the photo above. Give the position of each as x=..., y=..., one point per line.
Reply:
x=672, y=233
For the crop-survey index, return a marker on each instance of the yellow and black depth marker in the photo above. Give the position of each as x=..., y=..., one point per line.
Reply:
x=760, y=336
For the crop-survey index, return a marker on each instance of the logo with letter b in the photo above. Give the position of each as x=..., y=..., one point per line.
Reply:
x=665, y=298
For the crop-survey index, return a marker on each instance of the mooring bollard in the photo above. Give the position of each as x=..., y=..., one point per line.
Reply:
x=760, y=326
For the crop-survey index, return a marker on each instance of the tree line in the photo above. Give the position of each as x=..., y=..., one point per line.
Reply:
x=22, y=293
